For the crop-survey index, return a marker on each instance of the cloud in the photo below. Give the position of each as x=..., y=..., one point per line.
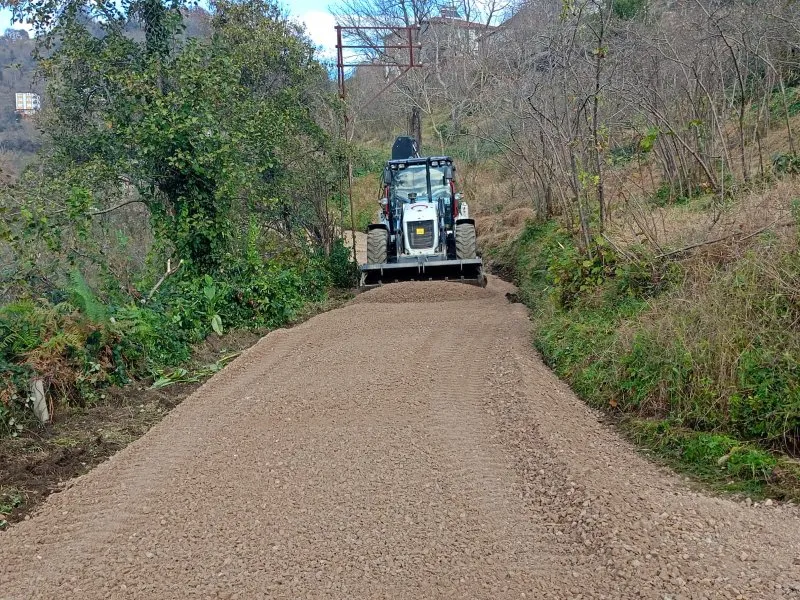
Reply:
x=321, y=29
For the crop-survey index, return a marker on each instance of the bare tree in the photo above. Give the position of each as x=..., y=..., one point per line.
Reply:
x=563, y=90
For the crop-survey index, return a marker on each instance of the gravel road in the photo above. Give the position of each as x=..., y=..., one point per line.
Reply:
x=409, y=445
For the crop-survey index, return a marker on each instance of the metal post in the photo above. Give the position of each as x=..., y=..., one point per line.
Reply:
x=350, y=198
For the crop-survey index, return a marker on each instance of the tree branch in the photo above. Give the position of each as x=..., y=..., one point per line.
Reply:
x=169, y=271
x=113, y=208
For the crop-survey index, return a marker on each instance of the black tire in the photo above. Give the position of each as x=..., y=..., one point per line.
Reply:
x=377, y=246
x=466, y=241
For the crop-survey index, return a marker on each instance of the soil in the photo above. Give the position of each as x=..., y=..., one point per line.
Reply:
x=40, y=461
x=412, y=447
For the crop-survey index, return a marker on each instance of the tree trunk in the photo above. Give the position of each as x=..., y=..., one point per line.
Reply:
x=415, y=126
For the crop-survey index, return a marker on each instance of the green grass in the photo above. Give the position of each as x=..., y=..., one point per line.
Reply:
x=10, y=498
x=700, y=362
x=720, y=461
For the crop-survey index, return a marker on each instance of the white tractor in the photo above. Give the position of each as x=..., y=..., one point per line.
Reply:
x=423, y=230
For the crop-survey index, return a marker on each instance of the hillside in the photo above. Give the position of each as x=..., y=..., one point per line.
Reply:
x=646, y=203
x=19, y=139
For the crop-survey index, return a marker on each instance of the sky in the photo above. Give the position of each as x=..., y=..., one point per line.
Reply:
x=318, y=20
x=314, y=14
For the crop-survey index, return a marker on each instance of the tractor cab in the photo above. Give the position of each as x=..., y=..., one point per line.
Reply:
x=420, y=180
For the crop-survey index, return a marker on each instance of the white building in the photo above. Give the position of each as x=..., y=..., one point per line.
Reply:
x=28, y=103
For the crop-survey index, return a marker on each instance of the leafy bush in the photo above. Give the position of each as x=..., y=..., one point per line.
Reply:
x=710, y=350
x=528, y=260
x=244, y=297
x=57, y=344
x=717, y=458
x=574, y=273
x=341, y=267
x=628, y=9
x=149, y=338
x=786, y=164
x=622, y=155
x=79, y=347
x=767, y=402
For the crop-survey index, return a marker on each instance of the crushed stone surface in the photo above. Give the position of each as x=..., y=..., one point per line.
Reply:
x=408, y=445
x=415, y=292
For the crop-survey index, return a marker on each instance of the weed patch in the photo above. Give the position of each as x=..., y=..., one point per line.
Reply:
x=721, y=461
x=701, y=358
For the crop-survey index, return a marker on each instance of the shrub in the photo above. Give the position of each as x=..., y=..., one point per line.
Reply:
x=343, y=270
x=58, y=344
x=786, y=164
x=81, y=346
x=767, y=402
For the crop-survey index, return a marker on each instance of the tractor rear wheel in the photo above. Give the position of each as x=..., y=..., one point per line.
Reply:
x=377, y=246
x=466, y=241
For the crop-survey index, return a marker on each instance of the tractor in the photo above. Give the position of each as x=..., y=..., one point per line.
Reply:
x=423, y=230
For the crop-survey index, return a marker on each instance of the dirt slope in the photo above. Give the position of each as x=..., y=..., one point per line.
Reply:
x=394, y=450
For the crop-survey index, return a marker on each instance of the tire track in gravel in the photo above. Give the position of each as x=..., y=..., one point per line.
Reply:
x=409, y=445
x=474, y=457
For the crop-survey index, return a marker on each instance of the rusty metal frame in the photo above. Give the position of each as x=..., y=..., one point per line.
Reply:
x=341, y=47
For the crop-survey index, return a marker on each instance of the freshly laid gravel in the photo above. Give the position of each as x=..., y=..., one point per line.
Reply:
x=423, y=291
x=409, y=445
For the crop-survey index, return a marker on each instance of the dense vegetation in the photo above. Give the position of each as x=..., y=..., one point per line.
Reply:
x=564, y=91
x=702, y=359
x=188, y=184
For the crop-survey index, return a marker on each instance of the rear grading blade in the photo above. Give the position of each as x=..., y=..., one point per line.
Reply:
x=423, y=269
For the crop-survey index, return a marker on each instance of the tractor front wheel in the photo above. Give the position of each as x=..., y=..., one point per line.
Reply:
x=377, y=246
x=466, y=241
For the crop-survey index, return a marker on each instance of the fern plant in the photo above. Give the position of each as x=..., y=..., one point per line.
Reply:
x=84, y=298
